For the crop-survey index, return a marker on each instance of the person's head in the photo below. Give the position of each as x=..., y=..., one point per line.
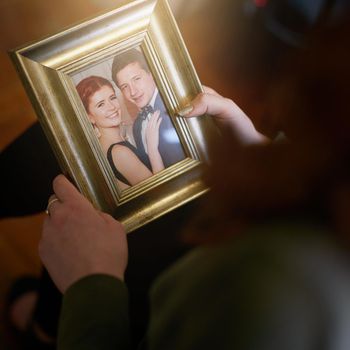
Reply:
x=100, y=102
x=306, y=177
x=133, y=77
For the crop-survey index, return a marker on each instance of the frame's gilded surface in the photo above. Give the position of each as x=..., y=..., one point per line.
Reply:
x=45, y=69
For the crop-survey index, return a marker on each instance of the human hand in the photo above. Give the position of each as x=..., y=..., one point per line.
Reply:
x=152, y=131
x=226, y=113
x=78, y=240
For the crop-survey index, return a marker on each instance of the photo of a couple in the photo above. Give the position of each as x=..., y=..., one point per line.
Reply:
x=152, y=144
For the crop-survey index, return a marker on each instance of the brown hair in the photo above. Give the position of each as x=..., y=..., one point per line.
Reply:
x=88, y=86
x=126, y=58
x=304, y=178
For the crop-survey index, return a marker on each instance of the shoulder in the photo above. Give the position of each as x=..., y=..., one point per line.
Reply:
x=123, y=155
x=248, y=286
x=121, y=150
x=272, y=250
x=159, y=104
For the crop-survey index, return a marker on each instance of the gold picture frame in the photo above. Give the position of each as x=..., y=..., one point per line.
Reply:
x=47, y=69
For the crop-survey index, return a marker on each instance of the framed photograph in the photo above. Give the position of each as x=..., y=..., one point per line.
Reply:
x=107, y=93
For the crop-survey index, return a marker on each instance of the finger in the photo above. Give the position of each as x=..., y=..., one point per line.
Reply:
x=209, y=90
x=155, y=116
x=189, y=111
x=211, y=104
x=65, y=190
x=159, y=120
x=151, y=121
x=52, y=204
x=154, y=120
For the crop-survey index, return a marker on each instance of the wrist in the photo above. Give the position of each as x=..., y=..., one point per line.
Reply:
x=152, y=149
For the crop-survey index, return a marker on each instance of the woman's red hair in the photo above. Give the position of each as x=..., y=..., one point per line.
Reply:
x=88, y=86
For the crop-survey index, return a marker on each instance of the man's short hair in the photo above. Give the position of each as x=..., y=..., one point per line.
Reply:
x=127, y=57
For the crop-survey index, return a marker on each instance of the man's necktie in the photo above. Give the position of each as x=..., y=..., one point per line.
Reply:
x=145, y=111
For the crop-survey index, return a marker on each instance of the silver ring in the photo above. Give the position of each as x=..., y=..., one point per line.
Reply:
x=53, y=200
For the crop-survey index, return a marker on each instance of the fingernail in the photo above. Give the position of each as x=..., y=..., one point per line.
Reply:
x=185, y=111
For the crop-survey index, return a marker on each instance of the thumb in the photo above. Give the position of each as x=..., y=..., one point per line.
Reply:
x=207, y=103
x=65, y=190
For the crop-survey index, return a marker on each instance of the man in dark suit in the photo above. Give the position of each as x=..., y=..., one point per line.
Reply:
x=131, y=74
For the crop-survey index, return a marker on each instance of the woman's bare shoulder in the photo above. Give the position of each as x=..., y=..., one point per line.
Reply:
x=121, y=152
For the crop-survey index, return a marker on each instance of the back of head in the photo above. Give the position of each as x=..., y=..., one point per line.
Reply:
x=306, y=176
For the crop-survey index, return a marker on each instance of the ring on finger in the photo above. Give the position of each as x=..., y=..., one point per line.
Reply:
x=51, y=201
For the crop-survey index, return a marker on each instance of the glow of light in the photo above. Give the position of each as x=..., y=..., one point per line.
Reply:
x=260, y=3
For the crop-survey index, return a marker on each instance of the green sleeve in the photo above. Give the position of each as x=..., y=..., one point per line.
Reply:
x=94, y=315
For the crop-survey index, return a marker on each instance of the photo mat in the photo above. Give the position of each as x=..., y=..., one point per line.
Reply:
x=120, y=96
